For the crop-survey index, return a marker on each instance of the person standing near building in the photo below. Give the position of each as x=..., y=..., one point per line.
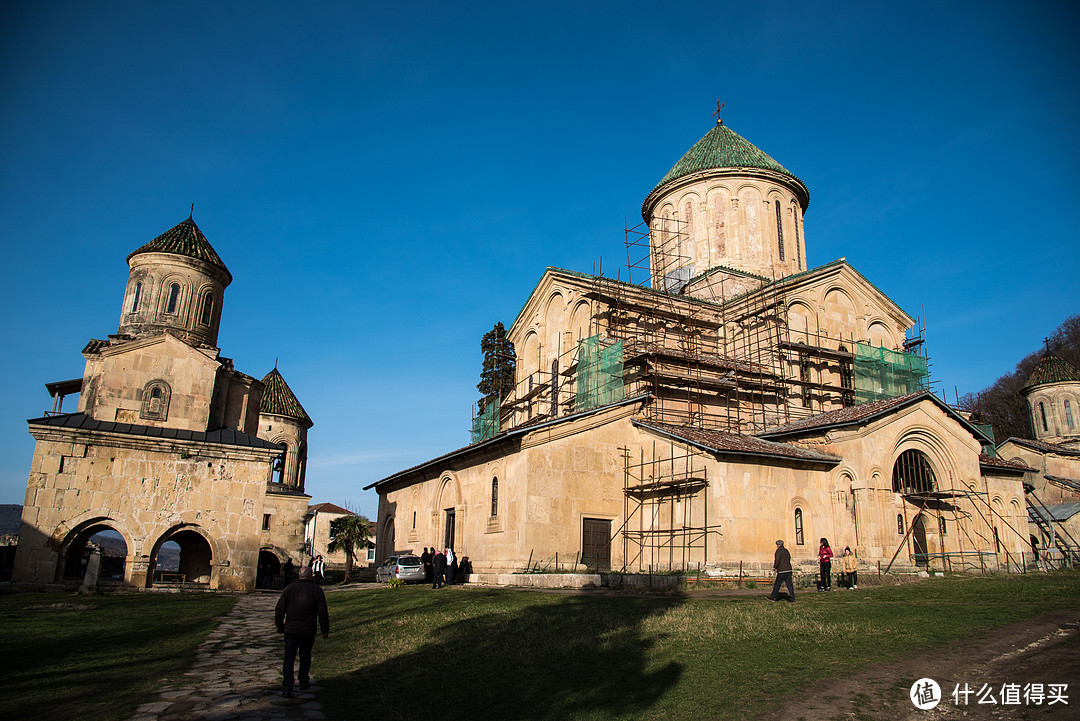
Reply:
x=782, y=566
x=824, y=555
x=451, y=566
x=438, y=568
x=425, y=558
x=850, y=566
x=318, y=567
x=302, y=604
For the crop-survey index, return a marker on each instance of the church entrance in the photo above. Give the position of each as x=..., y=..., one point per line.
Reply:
x=918, y=541
x=269, y=567
x=596, y=544
x=448, y=539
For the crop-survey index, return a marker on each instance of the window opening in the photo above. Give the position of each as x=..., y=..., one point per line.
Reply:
x=899, y=524
x=942, y=526
x=266, y=522
x=135, y=298
x=1068, y=415
x=207, y=309
x=495, y=496
x=799, y=541
x=1042, y=412
x=779, y=229
x=912, y=473
x=804, y=376
x=174, y=298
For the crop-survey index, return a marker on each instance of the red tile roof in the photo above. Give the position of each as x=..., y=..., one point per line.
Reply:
x=738, y=444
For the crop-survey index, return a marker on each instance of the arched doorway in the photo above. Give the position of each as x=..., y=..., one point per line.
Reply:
x=99, y=536
x=918, y=541
x=194, y=560
x=269, y=568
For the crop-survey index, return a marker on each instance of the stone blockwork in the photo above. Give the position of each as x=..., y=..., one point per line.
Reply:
x=169, y=443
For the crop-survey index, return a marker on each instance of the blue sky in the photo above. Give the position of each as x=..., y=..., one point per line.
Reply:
x=387, y=180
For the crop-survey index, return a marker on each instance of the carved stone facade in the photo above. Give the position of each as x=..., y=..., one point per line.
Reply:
x=169, y=443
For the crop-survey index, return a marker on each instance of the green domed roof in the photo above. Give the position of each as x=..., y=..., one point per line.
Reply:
x=279, y=399
x=185, y=239
x=722, y=147
x=1052, y=369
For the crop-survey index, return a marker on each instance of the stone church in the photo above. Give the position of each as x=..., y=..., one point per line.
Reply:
x=169, y=443
x=732, y=397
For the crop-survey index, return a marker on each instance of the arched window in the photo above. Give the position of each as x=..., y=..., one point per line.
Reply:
x=174, y=299
x=207, y=308
x=1042, y=412
x=912, y=473
x=779, y=230
x=135, y=297
x=1068, y=415
x=798, y=250
x=279, y=468
x=555, y=388
x=942, y=528
x=155, y=401
x=495, y=496
x=899, y=524
x=799, y=538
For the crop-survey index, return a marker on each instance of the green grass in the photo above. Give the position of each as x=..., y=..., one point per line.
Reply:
x=491, y=653
x=97, y=657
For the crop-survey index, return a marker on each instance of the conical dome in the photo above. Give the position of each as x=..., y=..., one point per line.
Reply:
x=185, y=239
x=279, y=399
x=723, y=148
x=1052, y=369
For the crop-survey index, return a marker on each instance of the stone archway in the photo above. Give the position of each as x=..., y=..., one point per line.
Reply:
x=98, y=534
x=196, y=557
x=269, y=568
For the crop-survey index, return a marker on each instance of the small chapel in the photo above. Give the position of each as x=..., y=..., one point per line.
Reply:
x=169, y=444
x=732, y=396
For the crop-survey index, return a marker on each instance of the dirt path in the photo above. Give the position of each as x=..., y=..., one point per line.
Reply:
x=1043, y=650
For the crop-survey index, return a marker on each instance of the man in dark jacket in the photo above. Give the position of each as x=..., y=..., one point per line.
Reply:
x=438, y=569
x=300, y=605
x=782, y=566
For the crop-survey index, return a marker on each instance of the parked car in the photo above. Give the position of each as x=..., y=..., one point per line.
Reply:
x=405, y=568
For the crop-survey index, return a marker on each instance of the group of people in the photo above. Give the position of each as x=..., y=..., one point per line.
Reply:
x=441, y=567
x=849, y=567
x=288, y=572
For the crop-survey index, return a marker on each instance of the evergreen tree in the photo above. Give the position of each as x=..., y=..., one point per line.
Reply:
x=500, y=363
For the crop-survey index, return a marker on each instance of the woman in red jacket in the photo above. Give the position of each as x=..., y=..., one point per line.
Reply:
x=824, y=555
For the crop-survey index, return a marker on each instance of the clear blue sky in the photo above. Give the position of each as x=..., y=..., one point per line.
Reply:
x=387, y=180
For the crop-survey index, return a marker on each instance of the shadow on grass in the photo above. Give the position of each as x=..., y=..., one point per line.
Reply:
x=574, y=656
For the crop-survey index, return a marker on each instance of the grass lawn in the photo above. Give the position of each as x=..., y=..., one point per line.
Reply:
x=97, y=657
x=473, y=653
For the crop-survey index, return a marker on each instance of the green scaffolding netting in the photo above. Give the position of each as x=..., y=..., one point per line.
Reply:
x=881, y=373
x=599, y=374
x=485, y=425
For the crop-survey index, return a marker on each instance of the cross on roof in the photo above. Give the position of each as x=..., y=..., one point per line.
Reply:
x=719, y=107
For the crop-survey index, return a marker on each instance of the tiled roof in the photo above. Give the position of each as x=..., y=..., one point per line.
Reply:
x=1071, y=483
x=990, y=461
x=186, y=239
x=95, y=345
x=722, y=147
x=224, y=436
x=1052, y=369
x=279, y=399
x=330, y=508
x=847, y=416
x=737, y=443
x=1058, y=512
x=1043, y=446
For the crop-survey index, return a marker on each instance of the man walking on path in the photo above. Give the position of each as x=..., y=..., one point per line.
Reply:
x=782, y=566
x=301, y=604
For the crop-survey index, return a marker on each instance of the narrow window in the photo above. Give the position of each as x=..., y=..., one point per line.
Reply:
x=997, y=541
x=900, y=524
x=414, y=520
x=779, y=230
x=266, y=522
x=941, y=525
x=847, y=380
x=174, y=298
x=1068, y=415
x=135, y=297
x=495, y=496
x=798, y=249
x=207, y=309
x=799, y=541
x=804, y=376
x=555, y=388
x=1042, y=412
